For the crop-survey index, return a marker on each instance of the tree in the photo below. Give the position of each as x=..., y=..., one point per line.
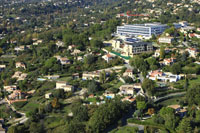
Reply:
x=193, y=95
x=35, y=128
x=96, y=44
x=75, y=127
x=80, y=113
x=102, y=77
x=186, y=83
x=141, y=105
x=106, y=114
x=12, y=129
x=162, y=52
x=139, y=63
x=151, y=111
x=169, y=116
x=92, y=87
x=149, y=86
x=176, y=68
x=184, y=126
x=55, y=103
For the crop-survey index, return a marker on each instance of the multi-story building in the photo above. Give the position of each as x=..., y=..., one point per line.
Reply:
x=129, y=47
x=144, y=30
x=136, y=48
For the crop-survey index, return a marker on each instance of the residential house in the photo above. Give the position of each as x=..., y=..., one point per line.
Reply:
x=129, y=89
x=191, y=35
x=2, y=67
x=20, y=48
x=16, y=94
x=64, y=85
x=37, y=42
x=76, y=52
x=80, y=58
x=167, y=40
x=157, y=52
x=108, y=57
x=130, y=99
x=109, y=95
x=60, y=43
x=52, y=77
x=10, y=88
x=178, y=110
x=64, y=60
x=70, y=47
x=48, y=95
x=158, y=75
x=168, y=61
x=90, y=75
x=75, y=76
x=193, y=52
x=20, y=65
x=128, y=72
x=19, y=75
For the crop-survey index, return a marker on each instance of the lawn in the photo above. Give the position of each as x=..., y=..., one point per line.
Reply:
x=116, y=83
x=194, y=81
x=65, y=79
x=171, y=101
x=91, y=99
x=33, y=103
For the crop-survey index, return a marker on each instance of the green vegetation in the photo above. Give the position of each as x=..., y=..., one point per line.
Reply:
x=125, y=129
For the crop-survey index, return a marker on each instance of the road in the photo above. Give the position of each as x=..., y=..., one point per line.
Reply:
x=18, y=120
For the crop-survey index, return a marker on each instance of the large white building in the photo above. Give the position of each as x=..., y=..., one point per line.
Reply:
x=144, y=30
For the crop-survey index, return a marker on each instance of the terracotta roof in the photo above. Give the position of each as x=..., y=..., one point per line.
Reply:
x=109, y=56
x=129, y=70
x=174, y=106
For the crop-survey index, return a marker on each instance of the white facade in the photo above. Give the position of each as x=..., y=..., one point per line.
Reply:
x=164, y=77
x=168, y=40
x=145, y=30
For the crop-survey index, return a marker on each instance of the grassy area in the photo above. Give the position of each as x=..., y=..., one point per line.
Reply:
x=194, y=81
x=64, y=79
x=171, y=101
x=91, y=99
x=116, y=83
x=125, y=129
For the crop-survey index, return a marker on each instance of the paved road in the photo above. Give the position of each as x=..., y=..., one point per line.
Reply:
x=18, y=120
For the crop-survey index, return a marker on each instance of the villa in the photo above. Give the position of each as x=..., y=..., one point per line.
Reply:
x=2, y=67
x=63, y=85
x=20, y=65
x=193, y=52
x=19, y=75
x=108, y=57
x=128, y=72
x=168, y=61
x=158, y=75
x=10, y=88
x=90, y=75
x=129, y=89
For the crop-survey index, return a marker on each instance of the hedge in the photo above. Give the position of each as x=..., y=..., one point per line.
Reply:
x=159, y=126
